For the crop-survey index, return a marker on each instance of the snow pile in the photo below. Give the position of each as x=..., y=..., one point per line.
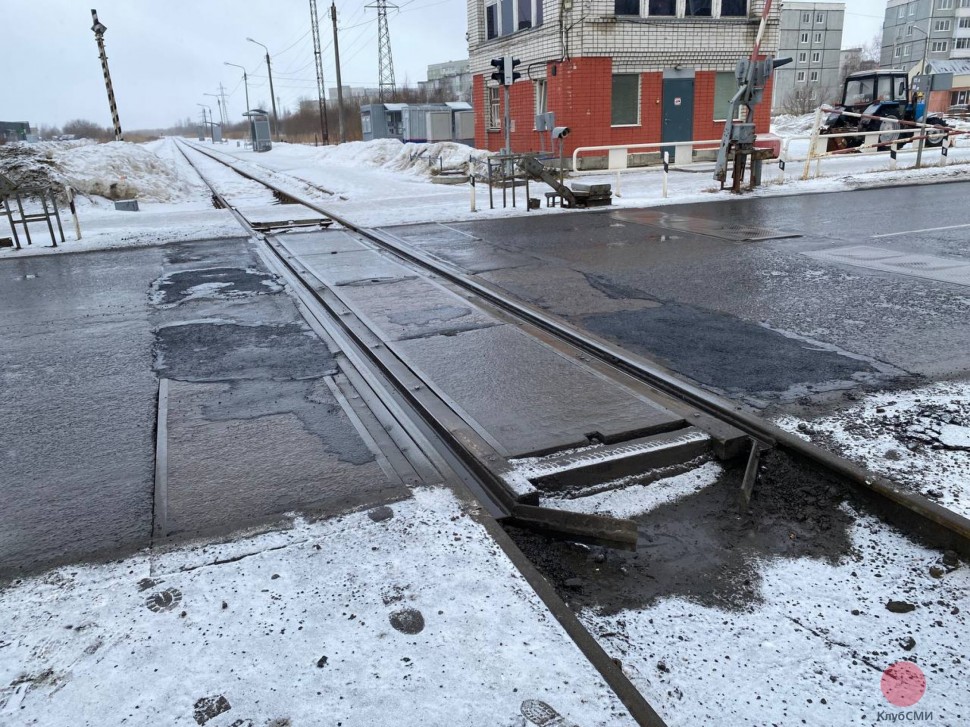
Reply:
x=793, y=125
x=117, y=170
x=420, y=160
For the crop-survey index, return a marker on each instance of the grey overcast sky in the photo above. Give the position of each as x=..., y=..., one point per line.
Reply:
x=164, y=55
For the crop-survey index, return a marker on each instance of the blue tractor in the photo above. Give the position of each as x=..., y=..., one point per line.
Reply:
x=884, y=100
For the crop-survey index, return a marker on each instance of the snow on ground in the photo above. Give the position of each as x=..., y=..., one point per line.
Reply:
x=385, y=182
x=414, y=620
x=919, y=438
x=814, y=651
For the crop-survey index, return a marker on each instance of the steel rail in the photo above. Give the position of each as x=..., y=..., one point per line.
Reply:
x=630, y=696
x=938, y=524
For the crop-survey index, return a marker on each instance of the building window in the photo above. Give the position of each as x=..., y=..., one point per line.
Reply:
x=898, y=52
x=902, y=12
x=818, y=38
x=965, y=3
x=625, y=100
x=944, y=4
x=965, y=22
x=663, y=7
x=813, y=76
x=725, y=86
x=802, y=56
x=504, y=17
x=909, y=30
x=958, y=97
x=800, y=76
x=540, y=95
x=819, y=18
x=816, y=56
x=493, y=111
x=941, y=25
x=912, y=8
x=962, y=43
x=803, y=38
x=939, y=46
x=806, y=17
x=734, y=8
x=697, y=8
x=626, y=7
x=907, y=48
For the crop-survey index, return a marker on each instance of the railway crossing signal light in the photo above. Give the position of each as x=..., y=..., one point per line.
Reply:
x=511, y=75
x=505, y=73
x=499, y=74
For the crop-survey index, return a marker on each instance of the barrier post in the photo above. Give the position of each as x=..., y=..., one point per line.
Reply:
x=666, y=169
x=471, y=184
x=812, y=142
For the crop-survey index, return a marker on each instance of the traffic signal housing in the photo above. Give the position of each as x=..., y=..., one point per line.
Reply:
x=511, y=75
x=499, y=74
x=505, y=73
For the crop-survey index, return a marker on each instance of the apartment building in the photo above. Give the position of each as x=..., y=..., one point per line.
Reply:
x=934, y=30
x=811, y=35
x=614, y=71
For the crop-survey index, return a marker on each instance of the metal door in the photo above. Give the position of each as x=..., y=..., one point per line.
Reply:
x=678, y=111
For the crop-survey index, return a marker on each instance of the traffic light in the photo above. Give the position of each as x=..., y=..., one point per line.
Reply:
x=499, y=74
x=511, y=75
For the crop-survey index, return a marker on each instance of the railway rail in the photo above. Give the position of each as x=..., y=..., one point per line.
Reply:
x=908, y=510
x=507, y=488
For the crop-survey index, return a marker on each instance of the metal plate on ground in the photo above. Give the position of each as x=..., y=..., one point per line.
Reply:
x=524, y=396
x=931, y=267
x=330, y=241
x=413, y=308
x=703, y=226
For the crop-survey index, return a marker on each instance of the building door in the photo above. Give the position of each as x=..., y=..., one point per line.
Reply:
x=678, y=110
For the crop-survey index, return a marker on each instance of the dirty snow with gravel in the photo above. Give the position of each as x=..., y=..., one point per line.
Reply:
x=919, y=439
x=814, y=649
x=357, y=620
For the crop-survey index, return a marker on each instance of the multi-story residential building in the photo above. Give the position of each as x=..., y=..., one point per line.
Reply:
x=452, y=78
x=811, y=35
x=614, y=71
x=934, y=30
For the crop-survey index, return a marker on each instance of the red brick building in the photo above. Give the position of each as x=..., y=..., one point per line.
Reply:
x=619, y=72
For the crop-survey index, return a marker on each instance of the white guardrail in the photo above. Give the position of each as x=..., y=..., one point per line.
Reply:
x=617, y=160
x=885, y=143
x=618, y=155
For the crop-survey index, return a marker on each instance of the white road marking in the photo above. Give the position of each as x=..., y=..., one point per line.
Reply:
x=927, y=229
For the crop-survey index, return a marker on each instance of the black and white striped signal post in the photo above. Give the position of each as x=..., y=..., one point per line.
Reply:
x=99, y=29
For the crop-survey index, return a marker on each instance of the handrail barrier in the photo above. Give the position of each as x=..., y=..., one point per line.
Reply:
x=818, y=142
x=617, y=160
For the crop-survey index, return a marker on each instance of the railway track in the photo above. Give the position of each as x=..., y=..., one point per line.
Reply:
x=672, y=428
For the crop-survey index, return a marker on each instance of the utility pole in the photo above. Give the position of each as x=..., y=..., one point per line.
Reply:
x=340, y=88
x=99, y=29
x=318, y=56
x=929, y=83
x=384, y=61
x=225, y=108
x=245, y=80
x=222, y=119
x=272, y=93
